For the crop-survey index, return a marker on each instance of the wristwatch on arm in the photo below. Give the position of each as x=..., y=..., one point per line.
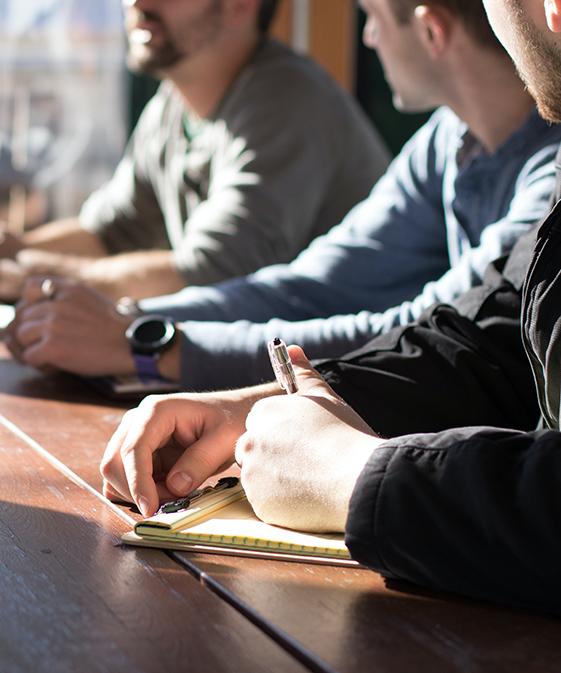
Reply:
x=149, y=336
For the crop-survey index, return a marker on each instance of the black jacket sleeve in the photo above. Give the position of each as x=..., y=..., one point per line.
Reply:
x=475, y=511
x=459, y=365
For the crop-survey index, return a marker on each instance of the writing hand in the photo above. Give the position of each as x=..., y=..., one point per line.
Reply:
x=301, y=454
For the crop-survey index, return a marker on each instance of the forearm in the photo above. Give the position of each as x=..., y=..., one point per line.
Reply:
x=273, y=292
x=217, y=354
x=473, y=511
x=136, y=274
x=67, y=237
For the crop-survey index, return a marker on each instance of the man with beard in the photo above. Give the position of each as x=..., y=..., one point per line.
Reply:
x=236, y=163
x=471, y=510
x=463, y=189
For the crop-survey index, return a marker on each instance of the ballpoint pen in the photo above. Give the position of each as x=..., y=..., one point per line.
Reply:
x=282, y=366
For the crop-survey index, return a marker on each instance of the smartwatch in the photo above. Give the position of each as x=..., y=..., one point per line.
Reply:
x=149, y=336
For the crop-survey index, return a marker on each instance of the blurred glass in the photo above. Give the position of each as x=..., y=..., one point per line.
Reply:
x=62, y=104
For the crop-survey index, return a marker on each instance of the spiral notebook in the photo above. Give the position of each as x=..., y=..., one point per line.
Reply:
x=219, y=519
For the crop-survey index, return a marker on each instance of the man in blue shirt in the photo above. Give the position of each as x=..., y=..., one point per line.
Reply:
x=463, y=189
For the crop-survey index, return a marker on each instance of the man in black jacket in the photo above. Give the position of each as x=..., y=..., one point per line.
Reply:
x=465, y=506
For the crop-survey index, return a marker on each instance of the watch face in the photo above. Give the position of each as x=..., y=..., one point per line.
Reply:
x=150, y=334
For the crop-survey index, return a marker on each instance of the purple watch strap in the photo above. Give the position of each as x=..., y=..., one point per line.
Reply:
x=146, y=366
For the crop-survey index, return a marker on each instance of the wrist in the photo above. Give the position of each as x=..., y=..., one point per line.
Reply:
x=353, y=464
x=150, y=339
x=169, y=363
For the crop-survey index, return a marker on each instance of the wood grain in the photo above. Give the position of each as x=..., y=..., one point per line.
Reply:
x=348, y=617
x=73, y=601
x=354, y=622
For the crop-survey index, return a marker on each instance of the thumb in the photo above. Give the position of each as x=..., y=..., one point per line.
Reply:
x=308, y=379
x=199, y=462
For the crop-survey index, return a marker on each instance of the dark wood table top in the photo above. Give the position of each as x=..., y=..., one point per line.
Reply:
x=341, y=619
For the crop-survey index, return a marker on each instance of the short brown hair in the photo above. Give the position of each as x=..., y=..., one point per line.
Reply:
x=266, y=14
x=470, y=12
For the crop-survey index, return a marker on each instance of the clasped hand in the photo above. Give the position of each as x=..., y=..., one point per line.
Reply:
x=77, y=330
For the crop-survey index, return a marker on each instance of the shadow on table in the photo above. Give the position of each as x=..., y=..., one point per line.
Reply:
x=21, y=381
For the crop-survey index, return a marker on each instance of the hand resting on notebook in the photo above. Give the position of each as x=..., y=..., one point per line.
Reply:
x=300, y=454
x=170, y=444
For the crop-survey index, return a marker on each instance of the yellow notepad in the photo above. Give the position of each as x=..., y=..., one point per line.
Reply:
x=222, y=521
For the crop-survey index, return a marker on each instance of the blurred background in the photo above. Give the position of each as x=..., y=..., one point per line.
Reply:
x=67, y=103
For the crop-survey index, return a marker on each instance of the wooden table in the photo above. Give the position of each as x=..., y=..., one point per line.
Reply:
x=73, y=600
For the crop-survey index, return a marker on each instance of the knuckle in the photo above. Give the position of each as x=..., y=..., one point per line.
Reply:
x=105, y=489
x=128, y=452
x=260, y=407
x=128, y=415
x=200, y=461
x=34, y=358
x=105, y=468
x=243, y=446
x=150, y=403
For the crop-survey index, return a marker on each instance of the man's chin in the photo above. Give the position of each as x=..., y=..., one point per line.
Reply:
x=152, y=63
x=549, y=113
x=548, y=104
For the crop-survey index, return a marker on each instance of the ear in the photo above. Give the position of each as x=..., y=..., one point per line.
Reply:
x=553, y=14
x=434, y=25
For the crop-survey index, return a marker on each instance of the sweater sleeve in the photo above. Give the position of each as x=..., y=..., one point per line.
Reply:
x=382, y=253
x=125, y=212
x=474, y=511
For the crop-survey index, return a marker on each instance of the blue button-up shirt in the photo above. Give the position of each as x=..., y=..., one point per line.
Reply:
x=425, y=234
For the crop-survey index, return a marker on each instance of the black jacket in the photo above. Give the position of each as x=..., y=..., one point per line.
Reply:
x=473, y=510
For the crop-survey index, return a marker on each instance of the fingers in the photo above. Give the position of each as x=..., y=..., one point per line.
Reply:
x=243, y=446
x=127, y=463
x=33, y=289
x=29, y=330
x=33, y=336
x=191, y=436
x=112, y=494
x=13, y=346
x=136, y=453
x=111, y=466
x=308, y=379
x=205, y=457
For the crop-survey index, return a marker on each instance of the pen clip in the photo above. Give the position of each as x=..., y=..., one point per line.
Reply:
x=184, y=503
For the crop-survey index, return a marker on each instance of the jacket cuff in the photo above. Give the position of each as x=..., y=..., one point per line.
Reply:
x=360, y=531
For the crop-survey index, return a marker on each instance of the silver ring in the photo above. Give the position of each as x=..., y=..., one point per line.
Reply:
x=48, y=288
